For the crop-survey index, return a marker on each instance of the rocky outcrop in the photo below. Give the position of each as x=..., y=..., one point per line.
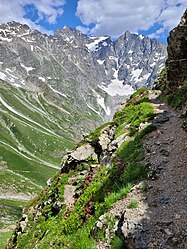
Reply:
x=177, y=55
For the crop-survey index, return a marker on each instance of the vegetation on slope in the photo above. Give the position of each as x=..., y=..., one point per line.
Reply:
x=51, y=222
x=36, y=129
x=177, y=96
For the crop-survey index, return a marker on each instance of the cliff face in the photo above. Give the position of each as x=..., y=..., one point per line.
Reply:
x=177, y=54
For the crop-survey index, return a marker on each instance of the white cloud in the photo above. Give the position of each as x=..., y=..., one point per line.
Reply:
x=115, y=17
x=84, y=30
x=47, y=10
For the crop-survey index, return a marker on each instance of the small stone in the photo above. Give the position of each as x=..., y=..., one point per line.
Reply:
x=140, y=242
x=164, y=222
x=157, y=143
x=174, y=240
x=177, y=216
x=168, y=232
x=99, y=225
x=49, y=182
x=162, y=118
x=164, y=200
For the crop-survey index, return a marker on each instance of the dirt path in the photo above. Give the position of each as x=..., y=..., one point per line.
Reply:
x=167, y=195
x=160, y=219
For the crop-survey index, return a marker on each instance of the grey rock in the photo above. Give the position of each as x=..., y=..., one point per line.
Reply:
x=140, y=243
x=50, y=181
x=106, y=161
x=184, y=125
x=84, y=152
x=162, y=117
x=119, y=140
x=23, y=222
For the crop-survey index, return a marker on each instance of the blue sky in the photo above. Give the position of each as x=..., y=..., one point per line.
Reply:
x=154, y=18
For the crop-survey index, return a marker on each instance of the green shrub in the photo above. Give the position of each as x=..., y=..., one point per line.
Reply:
x=133, y=204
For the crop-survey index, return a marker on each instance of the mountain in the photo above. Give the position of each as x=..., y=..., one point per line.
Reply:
x=124, y=185
x=54, y=89
x=98, y=69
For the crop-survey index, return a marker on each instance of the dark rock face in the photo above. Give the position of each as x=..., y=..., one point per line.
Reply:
x=177, y=54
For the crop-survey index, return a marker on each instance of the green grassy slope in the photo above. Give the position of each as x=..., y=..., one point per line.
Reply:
x=72, y=225
x=36, y=129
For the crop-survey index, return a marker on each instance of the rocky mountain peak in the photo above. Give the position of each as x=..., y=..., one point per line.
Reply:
x=109, y=69
x=67, y=32
x=177, y=55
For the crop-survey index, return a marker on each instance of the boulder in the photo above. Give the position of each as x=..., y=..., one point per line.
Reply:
x=84, y=152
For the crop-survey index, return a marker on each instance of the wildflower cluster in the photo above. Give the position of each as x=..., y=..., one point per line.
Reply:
x=120, y=166
x=88, y=209
x=88, y=179
x=68, y=210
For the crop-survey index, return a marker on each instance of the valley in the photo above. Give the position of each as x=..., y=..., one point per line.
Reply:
x=53, y=91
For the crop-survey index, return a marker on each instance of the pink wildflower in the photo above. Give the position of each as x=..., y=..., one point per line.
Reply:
x=90, y=203
x=68, y=208
x=103, y=178
x=87, y=215
x=118, y=163
x=89, y=211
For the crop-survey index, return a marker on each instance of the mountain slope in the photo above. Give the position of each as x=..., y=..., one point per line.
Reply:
x=34, y=135
x=64, y=214
x=95, y=69
x=53, y=89
x=119, y=187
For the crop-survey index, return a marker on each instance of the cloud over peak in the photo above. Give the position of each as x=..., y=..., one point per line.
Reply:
x=115, y=17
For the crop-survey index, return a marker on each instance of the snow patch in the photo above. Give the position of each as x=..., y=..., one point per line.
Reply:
x=141, y=36
x=113, y=58
x=9, y=70
x=62, y=94
x=101, y=102
x=127, y=66
x=16, y=85
x=67, y=39
x=100, y=62
x=104, y=44
x=6, y=39
x=93, y=46
x=146, y=76
x=42, y=79
x=32, y=48
x=91, y=108
x=135, y=74
x=153, y=64
x=26, y=33
x=116, y=87
x=2, y=76
x=27, y=68
x=162, y=57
